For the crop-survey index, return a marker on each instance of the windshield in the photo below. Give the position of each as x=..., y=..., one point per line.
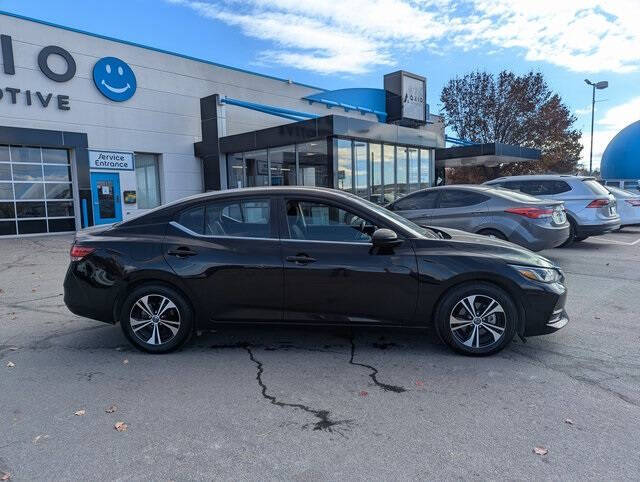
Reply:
x=382, y=211
x=620, y=192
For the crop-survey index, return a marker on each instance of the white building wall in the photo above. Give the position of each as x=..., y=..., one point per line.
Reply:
x=163, y=116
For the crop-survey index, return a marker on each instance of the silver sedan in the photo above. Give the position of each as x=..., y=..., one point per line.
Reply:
x=534, y=223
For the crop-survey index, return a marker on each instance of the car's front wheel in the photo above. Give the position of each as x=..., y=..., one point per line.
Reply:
x=156, y=318
x=477, y=319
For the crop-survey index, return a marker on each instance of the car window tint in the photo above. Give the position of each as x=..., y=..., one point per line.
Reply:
x=454, y=198
x=420, y=200
x=244, y=218
x=595, y=187
x=193, y=219
x=311, y=220
x=514, y=195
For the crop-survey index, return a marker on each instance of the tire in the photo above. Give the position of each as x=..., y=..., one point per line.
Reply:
x=580, y=238
x=493, y=232
x=476, y=335
x=163, y=334
x=572, y=235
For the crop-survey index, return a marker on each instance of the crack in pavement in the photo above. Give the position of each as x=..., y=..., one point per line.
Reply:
x=374, y=372
x=324, y=423
x=582, y=379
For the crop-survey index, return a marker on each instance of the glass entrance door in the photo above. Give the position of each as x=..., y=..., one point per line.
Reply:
x=105, y=190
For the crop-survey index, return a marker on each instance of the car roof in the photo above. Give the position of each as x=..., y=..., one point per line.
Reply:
x=537, y=177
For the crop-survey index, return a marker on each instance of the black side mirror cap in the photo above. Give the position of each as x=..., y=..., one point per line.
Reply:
x=385, y=238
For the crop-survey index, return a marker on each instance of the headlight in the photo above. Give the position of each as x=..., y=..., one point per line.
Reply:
x=544, y=275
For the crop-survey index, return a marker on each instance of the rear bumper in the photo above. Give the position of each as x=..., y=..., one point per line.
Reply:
x=537, y=238
x=585, y=230
x=85, y=299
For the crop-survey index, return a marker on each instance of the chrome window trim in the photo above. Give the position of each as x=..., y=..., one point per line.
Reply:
x=351, y=243
x=179, y=226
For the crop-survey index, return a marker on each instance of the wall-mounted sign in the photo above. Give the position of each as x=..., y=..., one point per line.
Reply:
x=112, y=77
x=129, y=197
x=115, y=161
x=406, y=98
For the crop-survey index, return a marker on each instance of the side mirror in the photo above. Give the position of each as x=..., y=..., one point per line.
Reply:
x=385, y=238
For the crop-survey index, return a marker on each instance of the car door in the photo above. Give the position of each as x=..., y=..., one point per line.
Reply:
x=332, y=272
x=417, y=207
x=228, y=252
x=460, y=209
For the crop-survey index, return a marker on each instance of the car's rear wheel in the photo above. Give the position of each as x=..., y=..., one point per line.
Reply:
x=493, y=232
x=572, y=234
x=477, y=319
x=156, y=318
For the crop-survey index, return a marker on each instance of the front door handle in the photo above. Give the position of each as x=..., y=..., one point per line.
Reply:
x=301, y=259
x=182, y=252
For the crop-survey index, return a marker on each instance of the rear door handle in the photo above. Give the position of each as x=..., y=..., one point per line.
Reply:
x=301, y=259
x=182, y=252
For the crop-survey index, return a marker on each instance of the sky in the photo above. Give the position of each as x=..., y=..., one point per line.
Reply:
x=352, y=43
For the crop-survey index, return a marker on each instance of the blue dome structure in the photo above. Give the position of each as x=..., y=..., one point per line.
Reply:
x=621, y=158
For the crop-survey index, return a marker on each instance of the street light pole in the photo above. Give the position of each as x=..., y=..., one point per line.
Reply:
x=593, y=108
x=603, y=84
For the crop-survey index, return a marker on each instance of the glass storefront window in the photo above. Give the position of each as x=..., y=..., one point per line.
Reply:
x=388, y=173
x=414, y=175
x=375, y=160
x=360, y=162
x=147, y=180
x=257, y=168
x=313, y=162
x=235, y=171
x=283, y=166
x=345, y=165
x=401, y=170
x=425, y=167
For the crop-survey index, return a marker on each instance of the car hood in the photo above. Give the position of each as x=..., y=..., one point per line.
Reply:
x=507, y=252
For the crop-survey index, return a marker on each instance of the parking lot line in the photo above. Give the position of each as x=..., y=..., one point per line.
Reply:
x=615, y=241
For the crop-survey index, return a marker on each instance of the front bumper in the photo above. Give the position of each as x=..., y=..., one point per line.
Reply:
x=545, y=311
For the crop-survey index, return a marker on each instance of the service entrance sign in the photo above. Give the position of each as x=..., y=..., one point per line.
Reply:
x=114, y=161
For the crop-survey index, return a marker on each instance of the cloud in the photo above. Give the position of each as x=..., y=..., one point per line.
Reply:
x=612, y=121
x=340, y=36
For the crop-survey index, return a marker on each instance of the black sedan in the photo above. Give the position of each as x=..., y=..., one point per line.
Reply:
x=306, y=256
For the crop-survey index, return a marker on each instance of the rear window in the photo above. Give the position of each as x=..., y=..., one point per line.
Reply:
x=595, y=187
x=515, y=195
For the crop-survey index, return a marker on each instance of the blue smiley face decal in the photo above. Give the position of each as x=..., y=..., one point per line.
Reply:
x=114, y=78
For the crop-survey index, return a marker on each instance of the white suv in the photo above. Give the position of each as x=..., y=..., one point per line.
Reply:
x=591, y=209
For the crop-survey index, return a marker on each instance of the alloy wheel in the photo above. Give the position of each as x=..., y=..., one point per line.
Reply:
x=478, y=321
x=154, y=319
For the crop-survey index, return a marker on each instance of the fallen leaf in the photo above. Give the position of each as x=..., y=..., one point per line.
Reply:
x=10, y=364
x=33, y=290
x=5, y=476
x=111, y=409
x=13, y=348
x=125, y=361
x=419, y=383
x=79, y=413
x=40, y=437
x=540, y=451
x=364, y=393
x=568, y=421
x=120, y=426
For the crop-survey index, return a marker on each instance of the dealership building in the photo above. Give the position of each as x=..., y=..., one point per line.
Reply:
x=94, y=130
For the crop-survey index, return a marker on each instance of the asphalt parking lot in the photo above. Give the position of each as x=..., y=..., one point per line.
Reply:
x=258, y=403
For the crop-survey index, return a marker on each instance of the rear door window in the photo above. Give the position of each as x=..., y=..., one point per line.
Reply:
x=249, y=218
x=453, y=198
x=420, y=200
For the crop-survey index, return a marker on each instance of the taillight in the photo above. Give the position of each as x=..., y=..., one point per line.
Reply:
x=533, y=213
x=78, y=252
x=633, y=202
x=598, y=203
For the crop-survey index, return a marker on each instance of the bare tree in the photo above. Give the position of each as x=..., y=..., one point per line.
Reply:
x=512, y=109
